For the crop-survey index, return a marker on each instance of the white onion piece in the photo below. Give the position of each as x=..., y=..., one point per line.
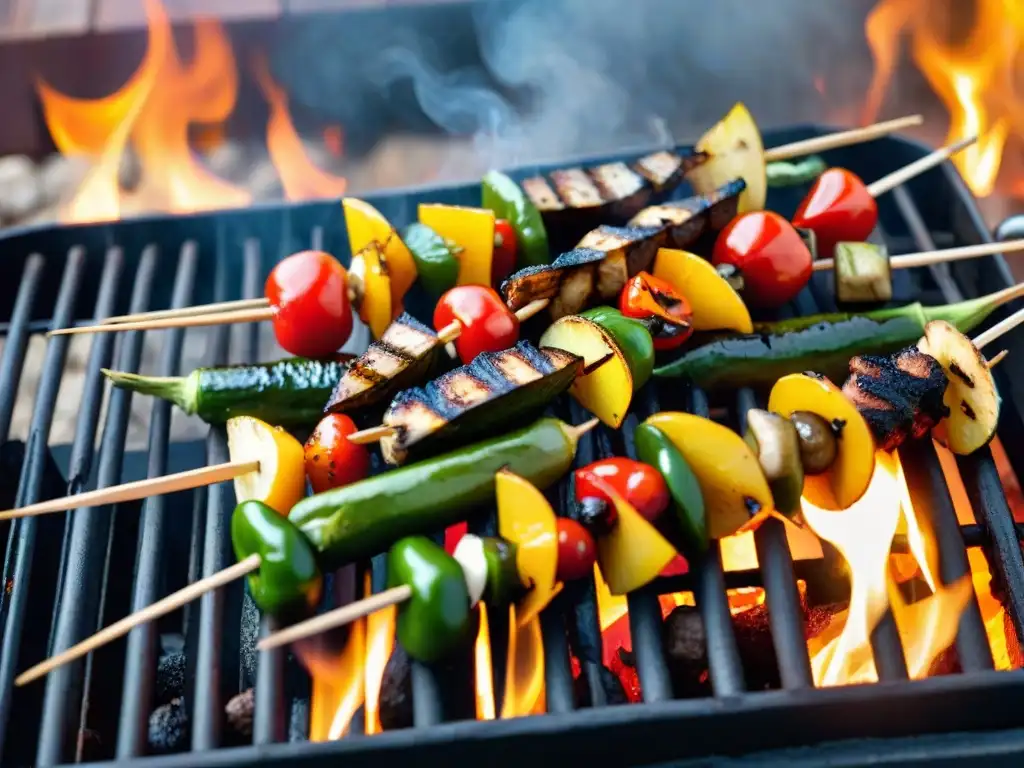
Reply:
x=469, y=553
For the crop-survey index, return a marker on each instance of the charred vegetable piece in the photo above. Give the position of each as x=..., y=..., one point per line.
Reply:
x=899, y=395
x=404, y=355
x=714, y=305
x=595, y=514
x=774, y=440
x=625, y=190
x=495, y=390
x=638, y=483
x=818, y=445
x=605, y=388
x=332, y=460
x=971, y=396
x=288, y=580
x=436, y=260
x=509, y=202
x=472, y=229
x=735, y=151
x=862, y=274
x=287, y=392
x=735, y=492
x=366, y=226
x=526, y=520
x=685, y=221
x=280, y=480
x=665, y=311
x=629, y=335
x=850, y=474
x=628, y=250
x=363, y=519
x=434, y=621
x=371, y=285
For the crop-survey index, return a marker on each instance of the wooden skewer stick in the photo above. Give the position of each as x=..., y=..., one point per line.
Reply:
x=923, y=259
x=916, y=168
x=193, y=321
x=997, y=330
x=140, y=489
x=338, y=617
x=128, y=623
x=997, y=359
x=202, y=309
x=841, y=139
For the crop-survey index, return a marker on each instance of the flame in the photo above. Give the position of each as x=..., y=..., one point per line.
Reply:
x=380, y=641
x=974, y=73
x=300, y=178
x=524, y=669
x=338, y=683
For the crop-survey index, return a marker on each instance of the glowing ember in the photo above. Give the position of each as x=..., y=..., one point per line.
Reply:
x=971, y=62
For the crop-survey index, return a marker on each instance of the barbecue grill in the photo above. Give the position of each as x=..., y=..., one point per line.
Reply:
x=68, y=574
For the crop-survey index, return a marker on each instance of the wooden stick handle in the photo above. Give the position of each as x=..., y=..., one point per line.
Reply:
x=203, y=309
x=371, y=435
x=128, y=623
x=841, y=139
x=924, y=258
x=916, y=168
x=140, y=489
x=339, y=617
x=1000, y=328
x=214, y=318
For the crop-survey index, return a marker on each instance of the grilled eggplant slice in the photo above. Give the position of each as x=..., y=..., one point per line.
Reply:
x=496, y=390
x=686, y=221
x=595, y=270
x=404, y=355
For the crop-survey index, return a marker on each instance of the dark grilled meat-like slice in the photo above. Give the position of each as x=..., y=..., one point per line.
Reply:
x=899, y=395
x=636, y=247
x=495, y=391
x=684, y=221
x=625, y=189
x=403, y=356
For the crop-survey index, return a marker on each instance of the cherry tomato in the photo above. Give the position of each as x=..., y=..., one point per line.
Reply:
x=331, y=460
x=309, y=293
x=638, y=483
x=576, y=551
x=487, y=324
x=503, y=260
x=772, y=259
x=838, y=208
x=646, y=296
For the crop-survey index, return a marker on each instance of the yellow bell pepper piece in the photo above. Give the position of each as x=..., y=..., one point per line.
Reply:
x=374, y=297
x=472, y=229
x=280, y=481
x=713, y=302
x=633, y=553
x=366, y=225
x=526, y=519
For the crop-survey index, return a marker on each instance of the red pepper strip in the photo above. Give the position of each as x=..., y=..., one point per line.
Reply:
x=647, y=296
x=452, y=535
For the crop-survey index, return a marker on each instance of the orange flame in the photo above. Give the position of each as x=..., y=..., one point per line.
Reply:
x=300, y=178
x=338, y=684
x=380, y=642
x=974, y=73
x=524, y=670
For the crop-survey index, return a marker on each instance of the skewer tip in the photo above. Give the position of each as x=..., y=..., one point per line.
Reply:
x=963, y=143
x=578, y=431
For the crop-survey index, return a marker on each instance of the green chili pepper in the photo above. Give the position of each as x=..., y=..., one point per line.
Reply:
x=783, y=173
x=653, y=447
x=632, y=337
x=362, y=519
x=503, y=196
x=436, y=263
x=288, y=578
x=435, y=620
x=821, y=343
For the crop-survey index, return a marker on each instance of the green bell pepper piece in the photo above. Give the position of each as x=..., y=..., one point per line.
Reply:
x=436, y=264
x=288, y=579
x=436, y=619
x=783, y=173
x=654, y=447
x=503, y=583
x=633, y=339
x=508, y=201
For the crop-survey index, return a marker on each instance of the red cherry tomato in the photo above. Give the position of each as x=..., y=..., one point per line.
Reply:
x=487, y=324
x=331, y=459
x=505, y=246
x=838, y=208
x=646, y=296
x=638, y=483
x=576, y=551
x=309, y=293
x=773, y=260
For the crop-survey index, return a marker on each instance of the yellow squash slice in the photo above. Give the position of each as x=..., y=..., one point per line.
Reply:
x=280, y=481
x=736, y=152
x=373, y=287
x=714, y=303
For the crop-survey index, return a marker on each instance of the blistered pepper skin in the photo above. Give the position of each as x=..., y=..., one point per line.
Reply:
x=436, y=619
x=288, y=580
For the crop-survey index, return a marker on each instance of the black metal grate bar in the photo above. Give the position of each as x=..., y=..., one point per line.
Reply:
x=21, y=541
x=12, y=363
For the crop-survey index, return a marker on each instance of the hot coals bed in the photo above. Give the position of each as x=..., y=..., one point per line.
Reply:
x=66, y=575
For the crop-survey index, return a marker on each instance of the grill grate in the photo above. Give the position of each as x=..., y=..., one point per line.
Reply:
x=69, y=574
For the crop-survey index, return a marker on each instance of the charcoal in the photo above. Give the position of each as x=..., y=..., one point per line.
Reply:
x=170, y=677
x=169, y=727
x=686, y=649
x=396, y=691
x=614, y=693
x=239, y=710
x=298, y=724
